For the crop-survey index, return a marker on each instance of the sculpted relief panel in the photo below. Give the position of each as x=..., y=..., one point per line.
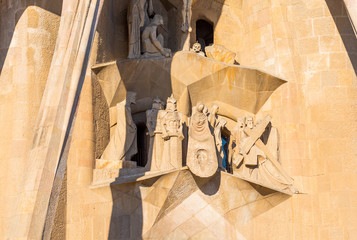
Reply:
x=252, y=154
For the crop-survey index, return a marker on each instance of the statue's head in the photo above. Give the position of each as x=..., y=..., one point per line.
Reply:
x=131, y=98
x=171, y=103
x=250, y=122
x=215, y=109
x=200, y=108
x=157, y=103
x=196, y=47
x=158, y=20
x=222, y=122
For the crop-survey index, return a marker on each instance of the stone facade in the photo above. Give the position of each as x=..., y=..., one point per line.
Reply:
x=64, y=69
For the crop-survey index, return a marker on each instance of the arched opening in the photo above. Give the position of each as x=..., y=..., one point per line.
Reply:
x=204, y=33
x=143, y=142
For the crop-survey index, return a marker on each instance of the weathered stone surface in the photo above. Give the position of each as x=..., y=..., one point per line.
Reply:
x=220, y=53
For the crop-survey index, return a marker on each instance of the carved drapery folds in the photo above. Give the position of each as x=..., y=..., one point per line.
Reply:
x=123, y=143
x=201, y=154
x=153, y=123
x=171, y=124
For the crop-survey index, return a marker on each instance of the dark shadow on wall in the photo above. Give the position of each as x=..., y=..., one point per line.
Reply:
x=344, y=25
x=11, y=12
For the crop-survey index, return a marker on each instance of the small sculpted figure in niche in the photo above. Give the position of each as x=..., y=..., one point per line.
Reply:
x=201, y=154
x=153, y=44
x=138, y=18
x=196, y=47
x=153, y=123
x=123, y=143
x=253, y=159
x=186, y=16
x=171, y=126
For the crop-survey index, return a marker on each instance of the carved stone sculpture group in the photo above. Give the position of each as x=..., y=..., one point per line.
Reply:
x=252, y=153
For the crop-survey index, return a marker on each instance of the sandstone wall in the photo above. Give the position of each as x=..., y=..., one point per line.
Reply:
x=312, y=45
x=27, y=40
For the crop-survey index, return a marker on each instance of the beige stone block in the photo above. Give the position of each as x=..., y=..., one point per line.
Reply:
x=72, y=230
x=340, y=200
x=323, y=232
x=279, y=30
x=148, y=212
x=177, y=234
x=330, y=43
x=346, y=77
x=335, y=95
x=333, y=147
x=191, y=227
x=333, y=165
x=322, y=183
x=348, y=216
x=204, y=234
x=304, y=28
x=338, y=60
x=208, y=215
x=194, y=202
x=343, y=181
x=316, y=12
x=309, y=45
x=87, y=227
x=329, y=78
x=85, y=175
x=324, y=26
x=324, y=201
x=351, y=232
x=317, y=62
x=180, y=214
x=157, y=196
x=330, y=217
x=223, y=230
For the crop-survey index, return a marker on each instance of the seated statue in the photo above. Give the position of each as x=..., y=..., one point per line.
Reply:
x=152, y=45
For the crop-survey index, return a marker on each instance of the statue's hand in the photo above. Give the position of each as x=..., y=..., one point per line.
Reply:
x=167, y=52
x=142, y=22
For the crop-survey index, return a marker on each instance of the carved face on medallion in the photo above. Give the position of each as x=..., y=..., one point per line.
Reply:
x=201, y=156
